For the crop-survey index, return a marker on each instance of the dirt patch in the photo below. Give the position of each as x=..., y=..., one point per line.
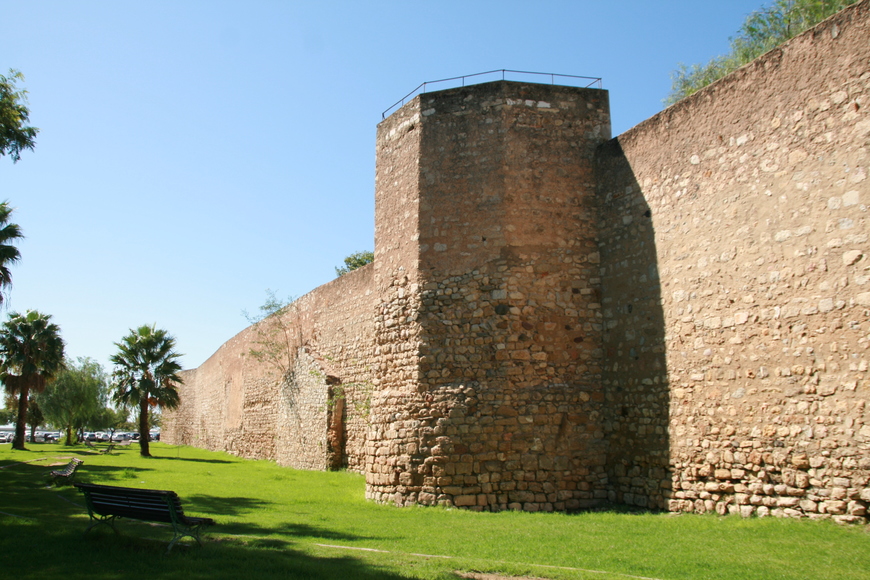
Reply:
x=481, y=576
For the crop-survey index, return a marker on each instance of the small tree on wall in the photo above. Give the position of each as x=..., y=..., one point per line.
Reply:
x=276, y=337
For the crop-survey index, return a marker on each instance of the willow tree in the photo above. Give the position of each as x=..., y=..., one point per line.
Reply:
x=75, y=397
x=31, y=354
x=146, y=375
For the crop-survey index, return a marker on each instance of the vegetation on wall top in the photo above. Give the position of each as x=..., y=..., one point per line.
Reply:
x=762, y=31
x=354, y=261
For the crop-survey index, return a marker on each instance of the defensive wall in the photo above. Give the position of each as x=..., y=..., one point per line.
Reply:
x=288, y=403
x=676, y=318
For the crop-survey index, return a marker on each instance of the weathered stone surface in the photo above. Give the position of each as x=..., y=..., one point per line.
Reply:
x=676, y=318
x=735, y=299
x=314, y=417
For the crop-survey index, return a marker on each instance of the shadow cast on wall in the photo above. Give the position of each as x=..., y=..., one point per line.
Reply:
x=635, y=377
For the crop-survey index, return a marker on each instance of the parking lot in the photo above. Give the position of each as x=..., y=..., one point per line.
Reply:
x=43, y=436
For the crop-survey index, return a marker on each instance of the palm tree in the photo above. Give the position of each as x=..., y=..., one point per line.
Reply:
x=146, y=373
x=31, y=353
x=9, y=254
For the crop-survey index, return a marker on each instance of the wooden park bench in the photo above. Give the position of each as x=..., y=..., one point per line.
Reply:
x=67, y=473
x=105, y=503
x=107, y=449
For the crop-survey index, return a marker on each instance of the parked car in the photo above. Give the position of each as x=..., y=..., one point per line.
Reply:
x=121, y=436
x=101, y=436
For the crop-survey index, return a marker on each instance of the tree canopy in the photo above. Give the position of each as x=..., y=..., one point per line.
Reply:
x=15, y=134
x=354, y=261
x=9, y=254
x=762, y=31
x=31, y=354
x=146, y=374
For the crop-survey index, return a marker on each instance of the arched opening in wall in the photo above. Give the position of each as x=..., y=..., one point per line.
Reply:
x=336, y=433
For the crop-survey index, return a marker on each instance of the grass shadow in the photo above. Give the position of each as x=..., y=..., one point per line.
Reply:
x=58, y=547
x=190, y=459
x=215, y=507
x=229, y=506
x=620, y=509
x=48, y=525
x=292, y=532
x=122, y=476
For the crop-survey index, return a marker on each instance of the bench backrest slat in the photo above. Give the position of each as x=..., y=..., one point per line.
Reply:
x=69, y=469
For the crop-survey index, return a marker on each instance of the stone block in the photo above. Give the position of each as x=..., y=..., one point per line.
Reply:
x=787, y=502
x=722, y=474
x=808, y=506
x=856, y=508
x=465, y=500
x=835, y=507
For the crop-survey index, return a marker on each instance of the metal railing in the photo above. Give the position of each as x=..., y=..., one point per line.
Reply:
x=596, y=81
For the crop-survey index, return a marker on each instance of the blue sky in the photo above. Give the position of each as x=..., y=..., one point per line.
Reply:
x=193, y=154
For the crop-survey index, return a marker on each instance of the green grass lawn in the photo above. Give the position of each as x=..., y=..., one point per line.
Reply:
x=275, y=522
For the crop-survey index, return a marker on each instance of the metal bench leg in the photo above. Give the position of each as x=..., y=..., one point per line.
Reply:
x=108, y=520
x=184, y=532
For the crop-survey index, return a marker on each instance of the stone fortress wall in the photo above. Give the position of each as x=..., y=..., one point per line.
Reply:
x=676, y=318
x=734, y=237
x=238, y=403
